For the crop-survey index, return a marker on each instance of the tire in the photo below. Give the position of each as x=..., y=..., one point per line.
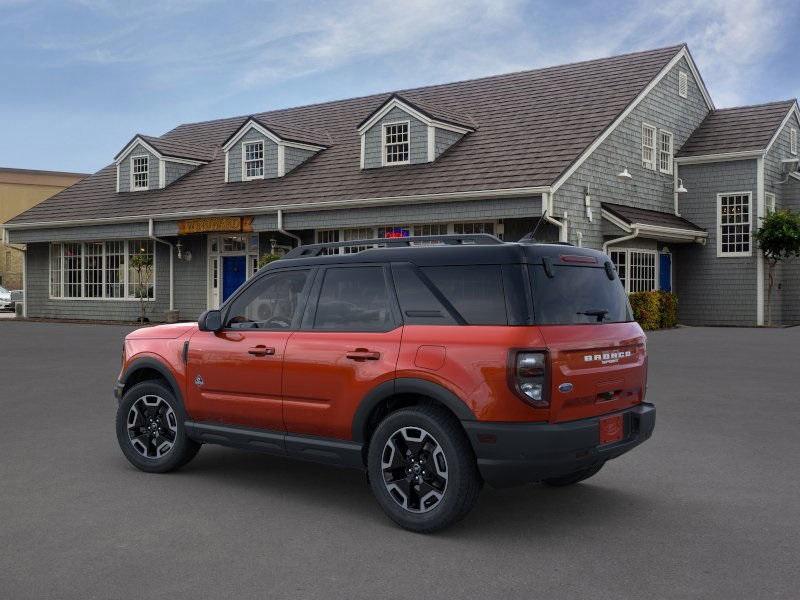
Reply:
x=150, y=406
x=573, y=478
x=412, y=494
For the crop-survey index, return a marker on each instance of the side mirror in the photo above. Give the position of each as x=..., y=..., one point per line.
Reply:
x=211, y=320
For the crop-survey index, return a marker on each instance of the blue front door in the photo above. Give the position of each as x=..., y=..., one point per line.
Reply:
x=233, y=274
x=665, y=272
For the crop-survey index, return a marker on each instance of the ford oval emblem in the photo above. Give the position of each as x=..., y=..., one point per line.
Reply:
x=565, y=388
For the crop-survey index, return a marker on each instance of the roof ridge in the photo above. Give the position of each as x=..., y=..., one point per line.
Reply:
x=676, y=48
x=787, y=102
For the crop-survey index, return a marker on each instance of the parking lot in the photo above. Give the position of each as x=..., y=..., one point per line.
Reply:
x=709, y=508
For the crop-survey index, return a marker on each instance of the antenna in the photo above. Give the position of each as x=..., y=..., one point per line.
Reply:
x=531, y=237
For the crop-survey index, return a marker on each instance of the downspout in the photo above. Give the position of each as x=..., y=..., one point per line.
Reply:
x=562, y=230
x=619, y=240
x=282, y=231
x=152, y=236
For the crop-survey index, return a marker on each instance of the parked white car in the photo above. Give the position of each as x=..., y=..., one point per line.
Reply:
x=5, y=299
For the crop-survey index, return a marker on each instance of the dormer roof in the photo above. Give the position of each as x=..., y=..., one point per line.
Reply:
x=430, y=113
x=167, y=149
x=280, y=133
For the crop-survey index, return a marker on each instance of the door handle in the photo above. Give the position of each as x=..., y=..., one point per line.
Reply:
x=361, y=354
x=261, y=351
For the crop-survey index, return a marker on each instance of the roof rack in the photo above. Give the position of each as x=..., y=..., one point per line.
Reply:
x=481, y=239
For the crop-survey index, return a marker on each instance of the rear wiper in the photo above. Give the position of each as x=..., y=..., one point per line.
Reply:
x=600, y=313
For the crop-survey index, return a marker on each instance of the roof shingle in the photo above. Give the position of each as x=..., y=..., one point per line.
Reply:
x=738, y=129
x=631, y=215
x=530, y=127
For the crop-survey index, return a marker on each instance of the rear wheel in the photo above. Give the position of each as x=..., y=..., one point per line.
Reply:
x=422, y=469
x=574, y=477
x=150, y=429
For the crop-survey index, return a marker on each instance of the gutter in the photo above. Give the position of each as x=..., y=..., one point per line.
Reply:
x=152, y=236
x=282, y=231
x=619, y=240
x=562, y=227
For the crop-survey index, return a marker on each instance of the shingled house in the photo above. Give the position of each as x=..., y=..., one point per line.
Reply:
x=627, y=154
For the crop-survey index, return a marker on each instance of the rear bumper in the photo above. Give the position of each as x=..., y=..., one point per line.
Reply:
x=516, y=453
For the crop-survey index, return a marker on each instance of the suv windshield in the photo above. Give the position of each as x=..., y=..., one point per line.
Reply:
x=577, y=295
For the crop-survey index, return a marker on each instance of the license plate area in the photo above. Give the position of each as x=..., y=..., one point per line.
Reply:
x=612, y=429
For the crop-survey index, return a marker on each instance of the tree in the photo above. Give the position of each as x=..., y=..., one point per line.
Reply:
x=142, y=265
x=779, y=240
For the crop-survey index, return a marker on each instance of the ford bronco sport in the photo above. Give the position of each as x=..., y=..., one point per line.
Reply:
x=435, y=364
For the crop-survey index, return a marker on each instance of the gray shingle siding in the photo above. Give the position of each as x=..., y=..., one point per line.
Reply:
x=786, y=287
x=712, y=290
x=88, y=233
x=125, y=169
x=294, y=157
x=649, y=189
x=270, y=156
x=443, y=139
x=191, y=278
x=174, y=171
x=415, y=213
x=418, y=138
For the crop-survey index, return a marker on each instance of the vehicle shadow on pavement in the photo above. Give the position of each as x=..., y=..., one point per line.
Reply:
x=510, y=511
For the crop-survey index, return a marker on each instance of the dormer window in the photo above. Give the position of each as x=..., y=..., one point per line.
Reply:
x=253, y=160
x=140, y=169
x=396, y=148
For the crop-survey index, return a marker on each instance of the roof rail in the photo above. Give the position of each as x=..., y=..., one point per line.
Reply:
x=310, y=250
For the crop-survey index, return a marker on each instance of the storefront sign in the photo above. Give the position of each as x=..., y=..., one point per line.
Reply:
x=210, y=224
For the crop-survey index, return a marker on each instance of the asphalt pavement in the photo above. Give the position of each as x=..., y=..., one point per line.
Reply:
x=708, y=508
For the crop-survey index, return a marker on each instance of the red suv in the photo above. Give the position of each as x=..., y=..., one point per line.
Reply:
x=434, y=364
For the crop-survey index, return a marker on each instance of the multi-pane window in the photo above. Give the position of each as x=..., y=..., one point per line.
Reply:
x=793, y=140
x=253, y=160
x=101, y=270
x=665, y=151
x=140, y=166
x=431, y=229
x=683, y=84
x=395, y=143
x=115, y=269
x=636, y=269
x=356, y=233
x=648, y=146
x=471, y=228
x=733, y=224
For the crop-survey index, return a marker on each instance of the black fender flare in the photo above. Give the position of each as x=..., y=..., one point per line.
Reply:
x=148, y=362
x=406, y=385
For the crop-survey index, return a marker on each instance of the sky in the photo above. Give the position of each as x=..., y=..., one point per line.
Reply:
x=81, y=77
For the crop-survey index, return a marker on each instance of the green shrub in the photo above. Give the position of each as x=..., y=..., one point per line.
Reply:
x=265, y=259
x=655, y=310
x=669, y=309
x=646, y=309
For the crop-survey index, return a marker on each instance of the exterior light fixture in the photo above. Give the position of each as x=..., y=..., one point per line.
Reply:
x=624, y=175
x=680, y=189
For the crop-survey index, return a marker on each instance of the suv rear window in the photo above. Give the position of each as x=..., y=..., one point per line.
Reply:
x=475, y=291
x=578, y=295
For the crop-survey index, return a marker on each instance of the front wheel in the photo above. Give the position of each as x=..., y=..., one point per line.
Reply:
x=422, y=469
x=150, y=429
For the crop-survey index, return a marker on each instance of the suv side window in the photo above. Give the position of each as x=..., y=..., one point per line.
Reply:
x=418, y=304
x=475, y=291
x=273, y=302
x=354, y=299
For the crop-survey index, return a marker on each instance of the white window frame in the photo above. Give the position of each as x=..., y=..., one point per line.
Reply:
x=769, y=202
x=263, y=160
x=133, y=159
x=683, y=84
x=61, y=271
x=728, y=254
x=215, y=264
x=384, y=145
x=665, y=156
x=793, y=141
x=628, y=252
x=649, y=164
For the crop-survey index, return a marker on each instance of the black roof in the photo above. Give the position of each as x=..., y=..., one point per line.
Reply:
x=631, y=215
x=452, y=255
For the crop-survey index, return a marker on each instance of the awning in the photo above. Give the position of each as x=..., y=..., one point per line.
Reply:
x=652, y=224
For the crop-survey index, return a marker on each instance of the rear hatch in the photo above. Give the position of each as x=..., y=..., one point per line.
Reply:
x=597, y=353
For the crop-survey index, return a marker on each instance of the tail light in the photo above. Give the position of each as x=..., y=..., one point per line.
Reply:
x=528, y=377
